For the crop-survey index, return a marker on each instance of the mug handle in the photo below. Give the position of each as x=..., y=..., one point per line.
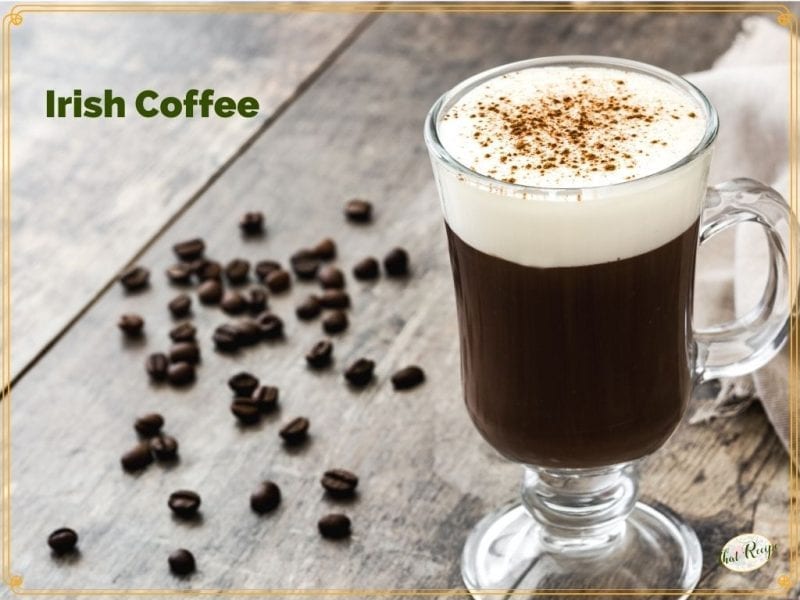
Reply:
x=743, y=345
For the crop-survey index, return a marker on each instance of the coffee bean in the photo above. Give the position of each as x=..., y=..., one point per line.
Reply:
x=207, y=270
x=135, y=278
x=233, y=302
x=334, y=526
x=157, y=365
x=270, y=325
x=256, y=300
x=226, y=338
x=334, y=299
x=131, y=325
x=149, y=425
x=180, y=273
x=185, y=352
x=190, y=249
x=63, y=540
x=330, y=277
x=320, y=354
x=252, y=223
x=165, y=447
x=278, y=281
x=366, y=269
x=266, y=398
x=265, y=267
x=360, y=372
x=325, y=249
x=243, y=384
x=237, y=271
x=295, y=431
x=339, y=483
x=137, y=458
x=180, y=305
x=180, y=373
x=267, y=497
x=184, y=503
x=181, y=562
x=210, y=291
x=408, y=377
x=396, y=262
x=304, y=263
x=245, y=410
x=184, y=332
x=308, y=308
x=335, y=322
x=249, y=331
x=358, y=210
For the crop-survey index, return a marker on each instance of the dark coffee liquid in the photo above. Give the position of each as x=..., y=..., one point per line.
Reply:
x=576, y=366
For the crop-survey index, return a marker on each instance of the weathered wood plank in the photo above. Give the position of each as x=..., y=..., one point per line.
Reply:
x=87, y=193
x=426, y=475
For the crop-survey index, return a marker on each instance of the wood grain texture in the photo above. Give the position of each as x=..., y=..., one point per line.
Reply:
x=88, y=193
x=426, y=475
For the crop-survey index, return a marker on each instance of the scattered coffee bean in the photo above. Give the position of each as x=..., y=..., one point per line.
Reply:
x=334, y=526
x=210, y=291
x=308, y=309
x=233, y=302
x=358, y=210
x=180, y=373
x=330, y=277
x=265, y=267
x=295, y=431
x=339, y=483
x=181, y=562
x=266, y=398
x=131, y=324
x=190, y=249
x=320, y=354
x=149, y=425
x=334, y=299
x=157, y=365
x=278, y=281
x=335, y=322
x=63, y=540
x=237, y=271
x=184, y=332
x=249, y=331
x=180, y=305
x=366, y=269
x=226, y=338
x=360, y=372
x=270, y=325
x=252, y=223
x=266, y=498
x=243, y=384
x=408, y=377
x=256, y=300
x=245, y=410
x=208, y=269
x=137, y=458
x=325, y=249
x=396, y=262
x=180, y=273
x=135, y=278
x=186, y=352
x=304, y=263
x=165, y=447
x=184, y=503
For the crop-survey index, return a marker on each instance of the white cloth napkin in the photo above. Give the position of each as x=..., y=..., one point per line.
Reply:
x=749, y=86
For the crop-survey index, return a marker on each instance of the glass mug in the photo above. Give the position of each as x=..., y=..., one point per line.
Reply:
x=578, y=372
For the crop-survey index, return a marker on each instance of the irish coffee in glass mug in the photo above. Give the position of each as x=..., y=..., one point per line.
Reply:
x=574, y=197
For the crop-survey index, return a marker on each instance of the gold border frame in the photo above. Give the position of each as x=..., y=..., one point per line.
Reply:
x=783, y=16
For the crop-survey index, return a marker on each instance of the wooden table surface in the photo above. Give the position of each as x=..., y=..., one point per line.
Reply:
x=344, y=97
